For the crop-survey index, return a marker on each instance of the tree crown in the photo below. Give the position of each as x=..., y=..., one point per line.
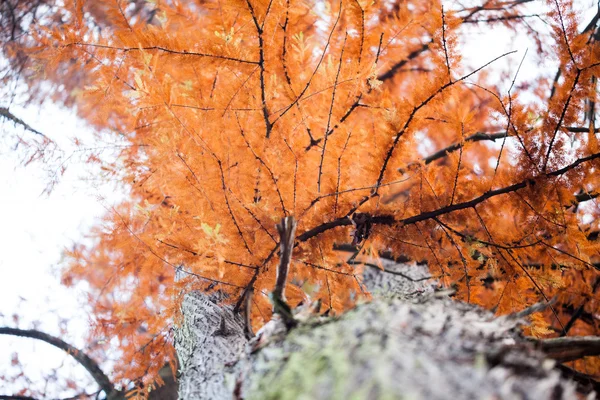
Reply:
x=357, y=118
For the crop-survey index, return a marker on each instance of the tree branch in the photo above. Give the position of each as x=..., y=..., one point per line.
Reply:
x=163, y=49
x=586, y=383
x=389, y=220
x=480, y=136
x=411, y=56
x=90, y=365
x=5, y=113
x=570, y=348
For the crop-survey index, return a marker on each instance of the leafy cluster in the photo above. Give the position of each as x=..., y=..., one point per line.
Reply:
x=355, y=117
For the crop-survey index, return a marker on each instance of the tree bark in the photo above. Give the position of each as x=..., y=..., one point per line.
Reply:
x=409, y=342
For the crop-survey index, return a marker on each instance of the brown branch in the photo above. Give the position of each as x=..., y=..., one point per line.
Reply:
x=382, y=219
x=444, y=45
x=499, y=19
x=575, y=129
x=484, y=7
x=570, y=348
x=260, y=160
x=6, y=114
x=462, y=259
x=411, y=56
x=308, y=83
x=335, y=84
x=261, y=64
x=404, y=128
x=389, y=220
x=582, y=197
x=564, y=32
x=339, y=172
x=576, y=315
x=561, y=118
x=287, y=233
x=586, y=383
x=89, y=364
x=295, y=170
x=353, y=107
x=389, y=271
x=288, y=79
x=316, y=266
x=249, y=288
x=476, y=137
x=457, y=167
x=481, y=136
x=254, y=217
x=472, y=238
x=163, y=49
x=224, y=187
x=284, y=44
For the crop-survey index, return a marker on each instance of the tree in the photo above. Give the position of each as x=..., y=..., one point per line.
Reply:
x=360, y=121
x=392, y=347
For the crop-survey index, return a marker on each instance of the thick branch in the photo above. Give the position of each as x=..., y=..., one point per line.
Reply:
x=261, y=64
x=480, y=136
x=382, y=219
x=5, y=113
x=586, y=382
x=581, y=197
x=287, y=232
x=389, y=220
x=411, y=56
x=570, y=348
x=90, y=365
x=476, y=137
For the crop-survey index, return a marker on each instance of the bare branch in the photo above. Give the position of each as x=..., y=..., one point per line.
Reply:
x=389, y=220
x=570, y=348
x=287, y=233
x=163, y=49
x=90, y=365
x=337, y=76
x=5, y=113
x=411, y=56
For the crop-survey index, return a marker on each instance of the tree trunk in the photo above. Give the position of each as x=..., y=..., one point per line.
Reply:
x=409, y=342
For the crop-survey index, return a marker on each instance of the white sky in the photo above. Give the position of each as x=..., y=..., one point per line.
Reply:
x=35, y=228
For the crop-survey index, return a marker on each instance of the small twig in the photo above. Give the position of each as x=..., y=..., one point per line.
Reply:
x=444, y=46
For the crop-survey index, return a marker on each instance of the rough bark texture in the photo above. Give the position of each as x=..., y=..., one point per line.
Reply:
x=210, y=338
x=409, y=342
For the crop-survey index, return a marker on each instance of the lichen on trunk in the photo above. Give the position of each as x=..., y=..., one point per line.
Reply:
x=409, y=342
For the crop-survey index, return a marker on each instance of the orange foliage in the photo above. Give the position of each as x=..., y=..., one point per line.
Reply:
x=240, y=112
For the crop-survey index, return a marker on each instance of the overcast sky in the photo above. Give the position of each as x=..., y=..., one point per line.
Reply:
x=35, y=229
